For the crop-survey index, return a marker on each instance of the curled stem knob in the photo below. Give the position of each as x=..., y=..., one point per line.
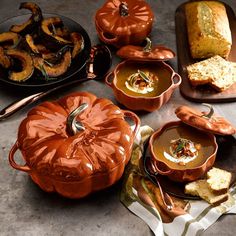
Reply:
x=73, y=125
x=210, y=113
x=148, y=46
x=123, y=9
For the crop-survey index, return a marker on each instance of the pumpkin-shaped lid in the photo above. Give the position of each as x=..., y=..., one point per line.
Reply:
x=75, y=137
x=124, y=17
x=205, y=121
x=146, y=53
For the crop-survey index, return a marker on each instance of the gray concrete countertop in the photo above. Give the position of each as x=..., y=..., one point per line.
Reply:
x=24, y=208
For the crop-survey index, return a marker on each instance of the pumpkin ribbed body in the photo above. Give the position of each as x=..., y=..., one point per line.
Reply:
x=75, y=165
x=124, y=22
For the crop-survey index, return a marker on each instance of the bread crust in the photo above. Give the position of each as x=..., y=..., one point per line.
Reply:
x=208, y=29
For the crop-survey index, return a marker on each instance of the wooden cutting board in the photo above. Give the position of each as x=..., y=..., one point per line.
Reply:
x=204, y=93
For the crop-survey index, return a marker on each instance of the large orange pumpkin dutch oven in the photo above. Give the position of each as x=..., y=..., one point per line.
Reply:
x=76, y=145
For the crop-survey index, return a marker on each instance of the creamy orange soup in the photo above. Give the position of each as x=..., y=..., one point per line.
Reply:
x=160, y=85
x=162, y=144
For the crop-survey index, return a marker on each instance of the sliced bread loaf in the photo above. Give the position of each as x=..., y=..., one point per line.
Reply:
x=208, y=29
x=215, y=71
x=201, y=188
x=219, y=180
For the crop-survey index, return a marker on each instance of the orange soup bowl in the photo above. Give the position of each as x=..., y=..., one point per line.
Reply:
x=165, y=84
x=163, y=160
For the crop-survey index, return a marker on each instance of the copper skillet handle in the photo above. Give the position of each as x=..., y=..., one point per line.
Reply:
x=136, y=120
x=176, y=80
x=109, y=79
x=12, y=162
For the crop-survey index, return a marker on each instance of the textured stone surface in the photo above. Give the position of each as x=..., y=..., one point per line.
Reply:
x=24, y=208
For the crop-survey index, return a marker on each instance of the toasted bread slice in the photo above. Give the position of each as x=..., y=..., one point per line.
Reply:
x=219, y=180
x=201, y=188
x=215, y=71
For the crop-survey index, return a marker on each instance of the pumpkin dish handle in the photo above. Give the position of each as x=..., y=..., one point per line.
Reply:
x=108, y=40
x=12, y=162
x=135, y=119
x=104, y=38
x=109, y=80
x=155, y=168
x=176, y=80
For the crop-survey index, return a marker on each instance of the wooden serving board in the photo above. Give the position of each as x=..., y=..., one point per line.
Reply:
x=204, y=93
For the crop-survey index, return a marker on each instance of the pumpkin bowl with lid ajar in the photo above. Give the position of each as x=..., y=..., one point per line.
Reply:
x=185, y=150
x=144, y=81
x=75, y=145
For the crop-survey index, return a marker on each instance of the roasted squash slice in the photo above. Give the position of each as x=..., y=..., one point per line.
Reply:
x=53, y=70
x=27, y=67
x=32, y=22
x=9, y=39
x=30, y=41
x=78, y=42
x=49, y=26
x=5, y=61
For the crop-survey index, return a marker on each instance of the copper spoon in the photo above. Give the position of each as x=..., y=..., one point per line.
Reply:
x=97, y=67
x=150, y=171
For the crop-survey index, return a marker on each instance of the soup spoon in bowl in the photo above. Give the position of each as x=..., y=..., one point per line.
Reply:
x=97, y=67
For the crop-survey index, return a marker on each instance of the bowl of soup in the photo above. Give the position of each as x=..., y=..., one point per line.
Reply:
x=142, y=85
x=181, y=152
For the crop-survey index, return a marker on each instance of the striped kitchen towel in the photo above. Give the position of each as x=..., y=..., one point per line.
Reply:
x=143, y=198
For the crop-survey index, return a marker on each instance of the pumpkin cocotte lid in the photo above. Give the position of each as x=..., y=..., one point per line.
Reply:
x=146, y=53
x=205, y=121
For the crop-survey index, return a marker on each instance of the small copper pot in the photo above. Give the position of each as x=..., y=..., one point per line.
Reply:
x=142, y=102
x=186, y=174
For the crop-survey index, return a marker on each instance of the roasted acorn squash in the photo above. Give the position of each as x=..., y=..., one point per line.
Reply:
x=32, y=22
x=9, y=39
x=49, y=26
x=53, y=70
x=27, y=67
x=78, y=42
x=5, y=61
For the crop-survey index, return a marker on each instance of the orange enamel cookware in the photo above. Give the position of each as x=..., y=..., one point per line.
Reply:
x=124, y=22
x=144, y=81
x=193, y=136
x=76, y=145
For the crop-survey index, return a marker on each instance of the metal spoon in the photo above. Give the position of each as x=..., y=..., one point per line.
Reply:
x=97, y=67
x=150, y=171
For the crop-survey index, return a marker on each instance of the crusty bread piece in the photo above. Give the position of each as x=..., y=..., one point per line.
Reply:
x=216, y=71
x=208, y=29
x=218, y=180
x=201, y=188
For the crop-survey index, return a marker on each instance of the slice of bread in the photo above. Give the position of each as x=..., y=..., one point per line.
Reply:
x=215, y=71
x=219, y=180
x=201, y=188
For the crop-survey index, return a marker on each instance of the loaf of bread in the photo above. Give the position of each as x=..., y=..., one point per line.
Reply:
x=215, y=71
x=213, y=189
x=208, y=29
x=201, y=188
x=218, y=180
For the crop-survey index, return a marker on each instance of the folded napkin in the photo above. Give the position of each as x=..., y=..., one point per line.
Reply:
x=143, y=198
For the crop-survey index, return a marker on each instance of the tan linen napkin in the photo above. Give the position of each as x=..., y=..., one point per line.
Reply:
x=142, y=197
